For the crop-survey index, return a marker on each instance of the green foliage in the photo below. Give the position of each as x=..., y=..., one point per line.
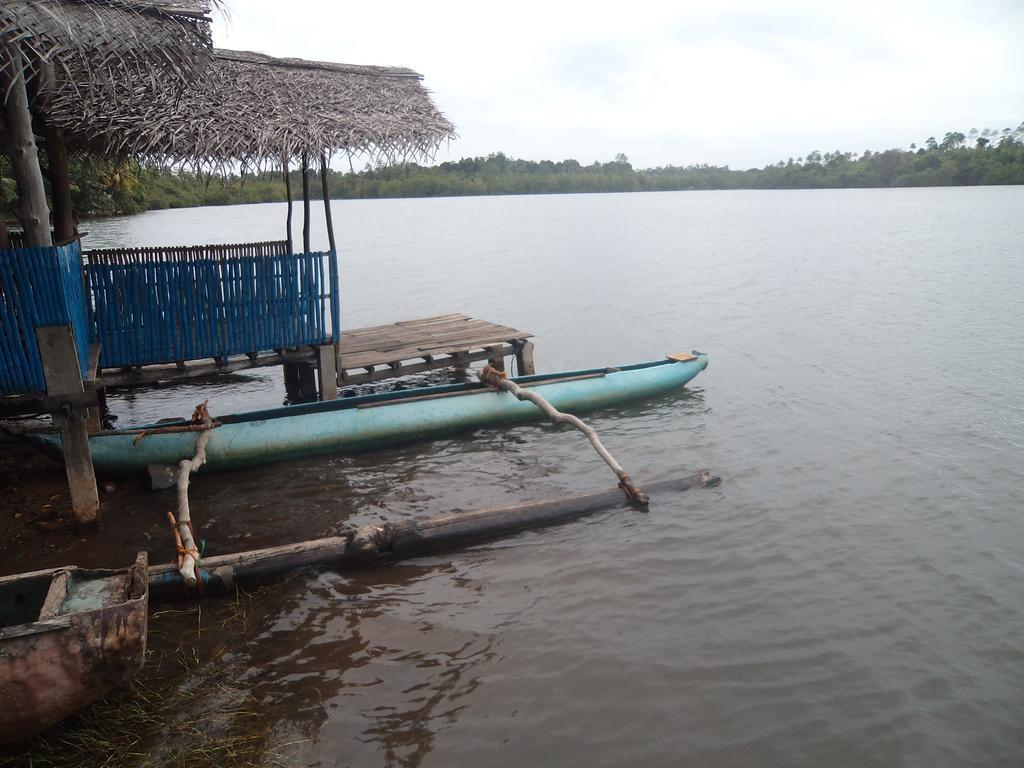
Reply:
x=103, y=187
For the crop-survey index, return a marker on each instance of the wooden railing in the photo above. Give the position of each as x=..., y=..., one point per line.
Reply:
x=165, y=253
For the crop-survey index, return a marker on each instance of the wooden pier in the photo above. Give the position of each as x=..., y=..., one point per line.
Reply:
x=363, y=354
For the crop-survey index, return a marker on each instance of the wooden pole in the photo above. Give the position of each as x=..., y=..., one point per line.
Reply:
x=33, y=210
x=327, y=368
x=327, y=201
x=524, y=359
x=288, y=193
x=497, y=379
x=305, y=203
x=383, y=543
x=57, y=160
x=60, y=183
x=338, y=371
x=64, y=378
x=5, y=238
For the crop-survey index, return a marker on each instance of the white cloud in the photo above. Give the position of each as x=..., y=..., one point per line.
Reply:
x=737, y=82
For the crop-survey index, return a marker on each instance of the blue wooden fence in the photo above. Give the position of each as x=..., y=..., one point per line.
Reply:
x=38, y=286
x=160, y=305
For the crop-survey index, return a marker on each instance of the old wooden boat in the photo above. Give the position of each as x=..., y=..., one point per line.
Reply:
x=68, y=636
x=378, y=420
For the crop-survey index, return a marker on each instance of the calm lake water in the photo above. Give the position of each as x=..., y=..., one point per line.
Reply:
x=851, y=595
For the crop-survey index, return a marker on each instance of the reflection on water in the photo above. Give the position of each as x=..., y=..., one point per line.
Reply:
x=850, y=595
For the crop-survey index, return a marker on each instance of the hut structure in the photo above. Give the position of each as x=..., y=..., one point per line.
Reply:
x=92, y=47
x=44, y=337
x=153, y=313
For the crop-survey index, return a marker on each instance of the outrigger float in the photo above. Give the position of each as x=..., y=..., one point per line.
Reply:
x=375, y=421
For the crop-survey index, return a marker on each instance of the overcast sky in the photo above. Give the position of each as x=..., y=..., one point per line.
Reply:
x=731, y=82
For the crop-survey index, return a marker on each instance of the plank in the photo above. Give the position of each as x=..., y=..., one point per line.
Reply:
x=64, y=377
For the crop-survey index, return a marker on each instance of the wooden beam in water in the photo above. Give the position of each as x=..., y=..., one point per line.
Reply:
x=380, y=544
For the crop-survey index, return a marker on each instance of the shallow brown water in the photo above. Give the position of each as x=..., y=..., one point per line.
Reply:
x=850, y=596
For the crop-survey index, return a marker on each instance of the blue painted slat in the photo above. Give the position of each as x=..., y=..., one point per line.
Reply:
x=159, y=309
x=38, y=286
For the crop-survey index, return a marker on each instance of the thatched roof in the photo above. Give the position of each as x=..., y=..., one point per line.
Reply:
x=98, y=43
x=251, y=109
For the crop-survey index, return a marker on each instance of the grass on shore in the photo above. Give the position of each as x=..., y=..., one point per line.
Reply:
x=179, y=711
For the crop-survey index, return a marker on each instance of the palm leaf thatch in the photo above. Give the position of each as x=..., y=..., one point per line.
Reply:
x=251, y=110
x=98, y=43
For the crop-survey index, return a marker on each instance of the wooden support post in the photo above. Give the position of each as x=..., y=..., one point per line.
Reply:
x=307, y=382
x=524, y=359
x=291, y=382
x=327, y=368
x=60, y=183
x=288, y=193
x=300, y=382
x=332, y=268
x=33, y=210
x=495, y=358
x=305, y=203
x=460, y=362
x=64, y=377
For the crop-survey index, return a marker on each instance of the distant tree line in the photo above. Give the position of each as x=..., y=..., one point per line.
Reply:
x=104, y=187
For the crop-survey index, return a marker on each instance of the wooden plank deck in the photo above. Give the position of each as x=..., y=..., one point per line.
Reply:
x=367, y=354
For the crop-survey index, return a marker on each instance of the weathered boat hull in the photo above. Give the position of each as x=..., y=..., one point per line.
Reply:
x=376, y=421
x=52, y=667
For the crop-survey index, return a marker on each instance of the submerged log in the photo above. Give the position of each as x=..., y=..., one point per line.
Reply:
x=379, y=544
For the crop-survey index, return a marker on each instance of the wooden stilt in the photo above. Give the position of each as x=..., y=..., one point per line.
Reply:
x=496, y=358
x=307, y=382
x=291, y=382
x=63, y=377
x=300, y=382
x=327, y=370
x=524, y=359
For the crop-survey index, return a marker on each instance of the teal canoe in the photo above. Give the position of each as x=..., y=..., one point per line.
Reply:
x=351, y=424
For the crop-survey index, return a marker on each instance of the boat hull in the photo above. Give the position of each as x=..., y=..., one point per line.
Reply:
x=51, y=668
x=376, y=421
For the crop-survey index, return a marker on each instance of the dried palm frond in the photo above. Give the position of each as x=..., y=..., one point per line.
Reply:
x=249, y=110
x=106, y=41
